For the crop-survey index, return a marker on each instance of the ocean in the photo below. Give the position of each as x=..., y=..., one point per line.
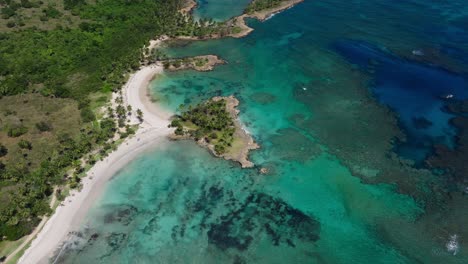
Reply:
x=348, y=101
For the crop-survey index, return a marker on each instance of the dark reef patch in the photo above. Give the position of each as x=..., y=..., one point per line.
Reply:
x=412, y=89
x=455, y=161
x=346, y=119
x=421, y=123
x=152, y=226
x=263, y=214
x=115, y=240
x=457, y=107
x=124, y=214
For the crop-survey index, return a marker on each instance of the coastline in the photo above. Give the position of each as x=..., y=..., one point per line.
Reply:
x=152, y=131
x=267, y=13
x=198, y=63
x=239, y=147
x=245, y=140
x=189, y=5
x=239, y=23
x=262, y=16
x=70, y=216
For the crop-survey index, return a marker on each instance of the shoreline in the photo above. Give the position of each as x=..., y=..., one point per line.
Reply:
x=261, y=16
x=72, y=213
x=247, y=141
x=239, y=147
x=200, y=63
x=267, y=13
x=239, y=21
x=189, y=7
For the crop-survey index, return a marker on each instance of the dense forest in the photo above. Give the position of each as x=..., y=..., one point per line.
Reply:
x=258, y=5
x=54, y=78
x=208, y=121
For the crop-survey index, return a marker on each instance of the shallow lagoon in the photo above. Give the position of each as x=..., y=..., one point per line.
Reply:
x=324, y=89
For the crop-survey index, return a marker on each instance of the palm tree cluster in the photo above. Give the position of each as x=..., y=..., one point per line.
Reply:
x=209, y=121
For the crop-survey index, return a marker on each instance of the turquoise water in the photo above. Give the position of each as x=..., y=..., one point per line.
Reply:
x=219, y=10
x=325, y=88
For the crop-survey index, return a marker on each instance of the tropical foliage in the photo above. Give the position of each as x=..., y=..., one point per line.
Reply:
x=208, y=121
x=78, y=62
x=258, y=5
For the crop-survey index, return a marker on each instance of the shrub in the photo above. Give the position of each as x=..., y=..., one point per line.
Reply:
x=43, y=126
x=26, y=4
x=8, y=12
x=11, y=24
x=179, y=131
x=175, y=123
x=24, y=144
x=14, y=232
x=3, y=150
x=17, y=131
x=87, y=115
x=220, y=149
x=51, y=12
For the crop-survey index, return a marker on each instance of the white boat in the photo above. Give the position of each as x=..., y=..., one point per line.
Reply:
x=418, y=53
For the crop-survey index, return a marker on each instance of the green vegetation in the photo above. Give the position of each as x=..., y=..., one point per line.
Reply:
x=184, y=63
x=44, y=15
x=201, y=62
x=156, y=55
x=43, y=126
x=140, y=115
x=17, y=131
x=24, y=144
x=259, y=5
x=3, y=150
x=59, y=62
x=209, y=121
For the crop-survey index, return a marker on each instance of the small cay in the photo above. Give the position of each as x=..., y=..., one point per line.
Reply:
x=198, y=63
x=214, y=124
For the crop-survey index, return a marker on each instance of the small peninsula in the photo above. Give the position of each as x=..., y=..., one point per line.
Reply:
x=214, y=124
x=258, y=9
x=235, y=27
x=263, y=9
x=198, y=63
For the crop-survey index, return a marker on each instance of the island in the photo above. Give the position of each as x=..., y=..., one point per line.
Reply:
x=214, y=124
x=198, y=63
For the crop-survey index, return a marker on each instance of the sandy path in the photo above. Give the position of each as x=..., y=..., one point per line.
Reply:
x=71, y=215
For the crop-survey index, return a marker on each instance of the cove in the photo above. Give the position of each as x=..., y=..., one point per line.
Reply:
x=325, y=101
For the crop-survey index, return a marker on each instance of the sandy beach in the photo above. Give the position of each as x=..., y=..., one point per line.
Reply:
x=70, y=215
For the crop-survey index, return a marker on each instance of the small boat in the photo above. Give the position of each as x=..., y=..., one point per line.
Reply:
x=418, y=53
x=449, y=96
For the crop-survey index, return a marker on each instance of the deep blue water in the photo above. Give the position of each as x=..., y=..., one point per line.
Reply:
x=416, y=92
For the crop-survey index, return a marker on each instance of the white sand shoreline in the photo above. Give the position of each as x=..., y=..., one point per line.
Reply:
x=71, y=215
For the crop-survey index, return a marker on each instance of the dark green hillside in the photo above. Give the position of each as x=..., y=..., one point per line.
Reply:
x=59, y=61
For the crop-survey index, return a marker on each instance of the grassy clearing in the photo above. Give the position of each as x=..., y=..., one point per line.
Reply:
x=43, y=15
x=28, y=110
x=6, y=247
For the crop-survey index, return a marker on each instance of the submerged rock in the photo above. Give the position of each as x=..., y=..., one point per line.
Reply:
x=262, y=213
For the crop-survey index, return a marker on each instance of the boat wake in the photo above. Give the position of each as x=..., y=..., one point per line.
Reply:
x=452, y=245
